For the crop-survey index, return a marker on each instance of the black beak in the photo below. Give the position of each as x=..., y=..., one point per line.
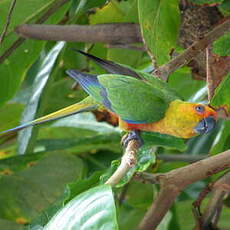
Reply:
x=205, y=125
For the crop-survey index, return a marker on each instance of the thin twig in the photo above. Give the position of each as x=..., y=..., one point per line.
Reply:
x=209, y=77
x=53, y=8
x=128, y=161
x=182, y=157
x=184, y=58
x=110, y=33
x=173, y=182
x=8, y=19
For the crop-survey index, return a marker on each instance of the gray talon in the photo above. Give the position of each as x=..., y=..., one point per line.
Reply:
x=132, y=135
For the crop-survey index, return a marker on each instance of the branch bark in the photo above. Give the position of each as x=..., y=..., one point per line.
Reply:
x=220, y=189
x=111, y=33
x=182, y=157
x=127, y=161
x=192, y=51
x=173, y=182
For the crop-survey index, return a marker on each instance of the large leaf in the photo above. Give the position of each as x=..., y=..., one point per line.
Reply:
x=27, y=136
x=159, y=21
x=221, y=97
x=91, y=143
x=27, y=192
x=163, y=140
x=14, y=68
x=91, y=210
x=30, y=9
x=17, y=163
x=222, y=45
x=10, y=225
x=72, y=190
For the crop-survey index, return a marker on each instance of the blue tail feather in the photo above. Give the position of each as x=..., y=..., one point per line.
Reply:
x=16, y=128
x=92, y=86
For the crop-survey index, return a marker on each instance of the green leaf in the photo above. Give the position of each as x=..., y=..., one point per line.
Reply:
x=225, y=7
x=203, y=144
x=79, y=7
x=80, y=186
x=159, y=21
x=222, y=140
x=31, y=190
x=79, y=145
x=27, y=136
x=222, y=45
x=163, y=140
x=14, y=68
x=72, y=190
x=115, y=11
x=30, y=9
x=10, y=225
x=86, y=121
x=17, y=163
x=221, y=97
x=93, y=209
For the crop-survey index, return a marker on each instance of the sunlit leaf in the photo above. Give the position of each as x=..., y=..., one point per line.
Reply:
x=91, y=210
x=26, y=137
x=159, y=21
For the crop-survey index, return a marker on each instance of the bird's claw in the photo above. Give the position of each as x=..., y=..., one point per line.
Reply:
x=132, y=135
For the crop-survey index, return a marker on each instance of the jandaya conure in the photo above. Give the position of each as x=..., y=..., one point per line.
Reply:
x=141, y=102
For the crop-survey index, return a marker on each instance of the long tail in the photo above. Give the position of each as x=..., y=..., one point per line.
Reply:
x=110, y=66
x=88, y=104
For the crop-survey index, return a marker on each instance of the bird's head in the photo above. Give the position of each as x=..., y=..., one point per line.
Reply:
x=191, y=119
x=207, y=118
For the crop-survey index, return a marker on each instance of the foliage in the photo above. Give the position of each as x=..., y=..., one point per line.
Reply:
x=48, y=171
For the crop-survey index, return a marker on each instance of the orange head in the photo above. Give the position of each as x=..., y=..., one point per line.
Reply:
x=185, y=119
x=207, y=117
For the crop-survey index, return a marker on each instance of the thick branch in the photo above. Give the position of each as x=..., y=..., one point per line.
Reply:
x=176, y=180
x=193, y=50
x=128, y=161
x=220, y=189
x=116, y=33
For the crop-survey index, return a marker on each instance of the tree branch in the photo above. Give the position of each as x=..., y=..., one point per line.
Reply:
x=220, y=189
x=111, y=33
x=12, y=5
x=192, y=51
x=127, y=161
x=173, y=182
x=182, y=157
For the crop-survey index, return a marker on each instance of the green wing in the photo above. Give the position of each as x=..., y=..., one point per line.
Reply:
x=134, y=100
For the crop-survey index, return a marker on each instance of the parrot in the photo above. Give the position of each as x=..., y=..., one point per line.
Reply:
x=140, y=101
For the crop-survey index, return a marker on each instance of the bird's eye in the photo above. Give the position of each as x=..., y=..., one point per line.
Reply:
x=199, y=108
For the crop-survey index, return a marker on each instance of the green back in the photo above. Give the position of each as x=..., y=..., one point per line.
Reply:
x=134, y=100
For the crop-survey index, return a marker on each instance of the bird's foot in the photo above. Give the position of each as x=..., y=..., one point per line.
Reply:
x=132, y=135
